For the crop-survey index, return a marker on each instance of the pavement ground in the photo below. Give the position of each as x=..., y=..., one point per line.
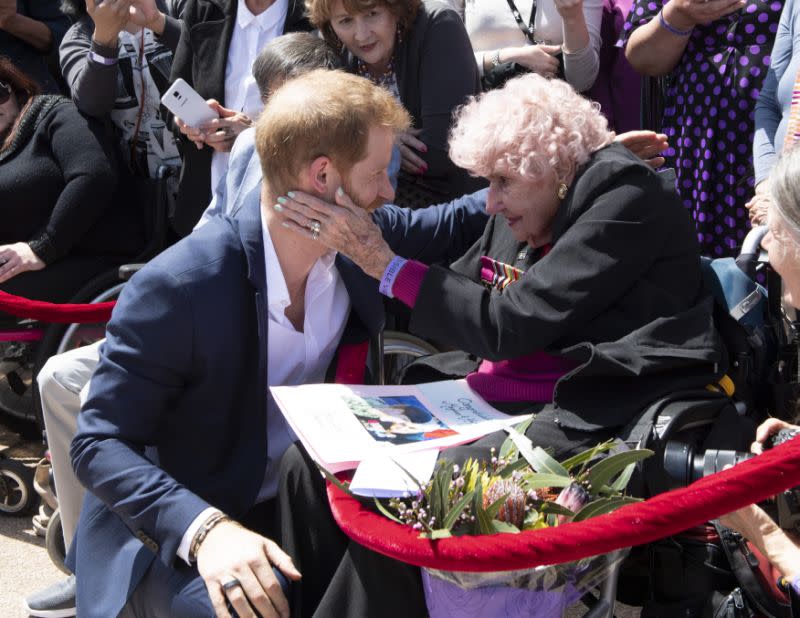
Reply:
x=24, y=564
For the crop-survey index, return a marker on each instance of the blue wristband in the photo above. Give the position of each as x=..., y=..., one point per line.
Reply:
x=795, y=583
x=670, y=28
x=390, y=274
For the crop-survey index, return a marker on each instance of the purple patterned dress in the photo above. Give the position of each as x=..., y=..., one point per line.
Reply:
x=708, y=116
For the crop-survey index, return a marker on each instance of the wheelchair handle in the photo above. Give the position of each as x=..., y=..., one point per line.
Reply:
x=751, y=253
x=126, y=271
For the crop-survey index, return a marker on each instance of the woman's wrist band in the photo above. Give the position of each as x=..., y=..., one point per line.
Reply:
x=670, y=28
x=202, y=533
x=93, y=55
x=390, y=274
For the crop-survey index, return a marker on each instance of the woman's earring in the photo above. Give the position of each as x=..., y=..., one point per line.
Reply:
x=562, y=191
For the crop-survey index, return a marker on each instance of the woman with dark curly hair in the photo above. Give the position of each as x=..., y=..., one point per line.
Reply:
x=56, y=184
x=421, y=52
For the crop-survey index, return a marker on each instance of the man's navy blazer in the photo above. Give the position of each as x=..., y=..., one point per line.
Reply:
x=184, y=372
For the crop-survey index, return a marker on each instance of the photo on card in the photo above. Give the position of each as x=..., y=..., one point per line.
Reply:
x=397, y=420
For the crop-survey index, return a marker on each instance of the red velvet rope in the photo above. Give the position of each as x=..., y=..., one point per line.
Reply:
x=636, y=524
x=52, y=312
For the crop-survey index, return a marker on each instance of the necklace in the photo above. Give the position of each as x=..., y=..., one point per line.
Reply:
x=385, y=79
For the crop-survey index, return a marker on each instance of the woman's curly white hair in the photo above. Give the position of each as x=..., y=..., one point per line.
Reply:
x=530, y=126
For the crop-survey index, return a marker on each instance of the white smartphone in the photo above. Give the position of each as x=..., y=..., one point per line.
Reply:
x=184, y=101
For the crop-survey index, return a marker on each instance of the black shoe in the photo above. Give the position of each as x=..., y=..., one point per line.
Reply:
x=56, y=601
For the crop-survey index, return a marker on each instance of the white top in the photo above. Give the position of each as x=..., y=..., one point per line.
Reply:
x=292, y=357
x=250, y=34
x=491, y=25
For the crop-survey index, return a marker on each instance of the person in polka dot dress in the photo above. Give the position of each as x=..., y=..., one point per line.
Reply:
x=715, y=55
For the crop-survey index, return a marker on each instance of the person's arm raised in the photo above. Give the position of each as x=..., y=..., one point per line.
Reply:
x=655, y=48
x=32, y=31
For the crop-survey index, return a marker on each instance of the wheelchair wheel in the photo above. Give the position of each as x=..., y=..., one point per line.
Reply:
x=79, y=335
x=54, y=542
x=399, y=349
x=16, y=378
x=17, y=496
x=59, y=338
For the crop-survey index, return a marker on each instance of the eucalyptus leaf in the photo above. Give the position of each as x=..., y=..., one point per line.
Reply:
x=541, y=480
x=458, y=508
x=587, y=455
x=484, y=522
x=477, y=506
x=523, y=426
x=494, y=508
x=603, y=471
x=536, y=456
x=508, y=450
x=545, y=506
x=484, y=516
x=386, y=512
x=624, y=478
x=509, y=469
x=440, y=491
x=531, y=517
x=504, y=526
x=330, y=477
x=413, y=478
x=603, y=506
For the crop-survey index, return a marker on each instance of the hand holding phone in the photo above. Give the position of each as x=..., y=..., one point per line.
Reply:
x=184, y=101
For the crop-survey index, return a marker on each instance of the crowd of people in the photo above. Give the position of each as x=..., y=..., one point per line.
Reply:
x=444, y=154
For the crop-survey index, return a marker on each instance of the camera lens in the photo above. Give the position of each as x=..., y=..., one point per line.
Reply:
x=177, y=95
x=713, y=461
x=678, y=460
x=683, y=466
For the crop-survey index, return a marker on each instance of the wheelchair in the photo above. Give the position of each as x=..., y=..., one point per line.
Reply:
x=26, y=344
x=765, y=380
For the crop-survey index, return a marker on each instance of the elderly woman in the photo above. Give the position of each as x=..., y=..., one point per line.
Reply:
x=782, y=242
x=421, y=52
x=583, y=300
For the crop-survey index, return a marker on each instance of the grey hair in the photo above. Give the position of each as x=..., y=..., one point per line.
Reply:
x=291, y=55
x=784, y=185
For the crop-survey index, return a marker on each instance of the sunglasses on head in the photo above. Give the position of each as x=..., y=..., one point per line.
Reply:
x=5, y=93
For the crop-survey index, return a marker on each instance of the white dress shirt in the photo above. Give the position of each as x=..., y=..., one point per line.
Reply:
x=250, y=34
x=292, y=357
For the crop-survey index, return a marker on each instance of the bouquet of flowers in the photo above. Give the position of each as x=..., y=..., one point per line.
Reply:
x=521, y=487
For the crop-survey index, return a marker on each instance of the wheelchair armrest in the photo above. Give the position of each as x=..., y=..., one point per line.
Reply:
x=126, y=271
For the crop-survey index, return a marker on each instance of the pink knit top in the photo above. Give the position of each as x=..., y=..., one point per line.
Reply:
x=528, y=378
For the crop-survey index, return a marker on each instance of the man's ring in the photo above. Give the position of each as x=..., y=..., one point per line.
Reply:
x=230, y=585
x=315, y=227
